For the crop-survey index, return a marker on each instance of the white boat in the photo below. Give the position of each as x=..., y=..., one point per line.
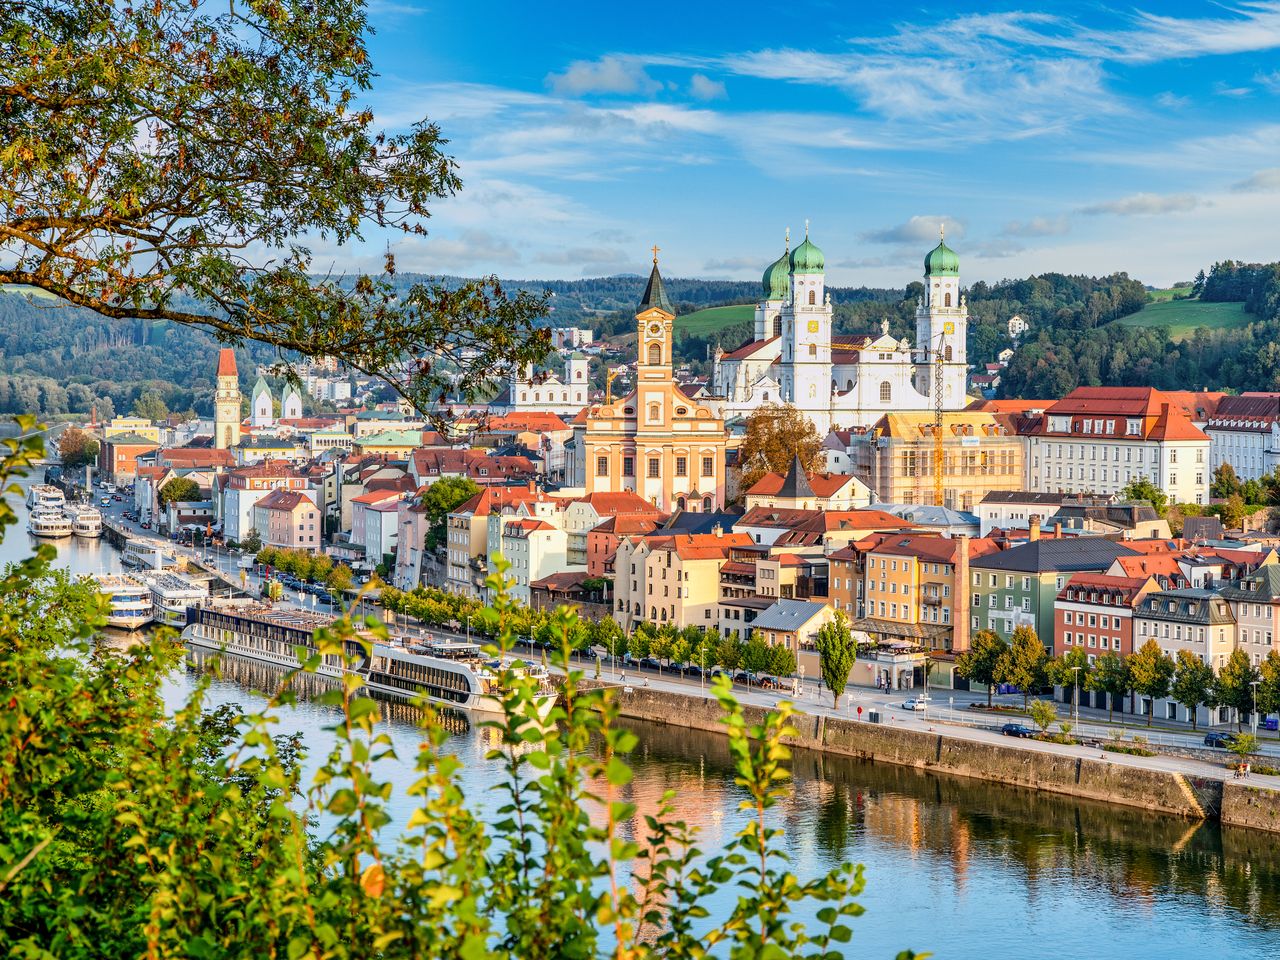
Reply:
x=171, y=595
x=450, y=673
x=49, y=523
x=86, y=521
x=45, y=495
x=130, y=600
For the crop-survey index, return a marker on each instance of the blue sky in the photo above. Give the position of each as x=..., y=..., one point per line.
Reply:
x=1087, y=138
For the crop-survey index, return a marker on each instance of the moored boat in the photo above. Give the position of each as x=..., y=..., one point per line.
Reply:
x=86, y=521
x=130, y=600
x=45, y=495
x=171, y=595
x=49, y=523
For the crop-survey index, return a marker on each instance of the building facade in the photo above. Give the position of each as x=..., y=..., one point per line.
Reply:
x=226, y=402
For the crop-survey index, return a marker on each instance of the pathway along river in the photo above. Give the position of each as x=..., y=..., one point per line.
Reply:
x=962, y=868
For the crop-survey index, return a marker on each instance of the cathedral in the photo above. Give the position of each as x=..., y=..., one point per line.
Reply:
x=843, y=382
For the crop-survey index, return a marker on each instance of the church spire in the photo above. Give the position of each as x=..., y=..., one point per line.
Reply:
x=655, y=292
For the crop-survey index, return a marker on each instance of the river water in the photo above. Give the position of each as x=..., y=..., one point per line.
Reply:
x=965, y=869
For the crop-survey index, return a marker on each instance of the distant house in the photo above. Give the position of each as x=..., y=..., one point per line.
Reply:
x=289, y=519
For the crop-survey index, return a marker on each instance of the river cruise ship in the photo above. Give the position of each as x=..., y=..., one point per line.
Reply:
x=447, y=672
x=45, y=495
x=171, y=595
x=49, y=523
x=86, y=521
x=130, y=601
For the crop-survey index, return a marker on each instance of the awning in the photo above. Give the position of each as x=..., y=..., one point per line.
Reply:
x=919, y=632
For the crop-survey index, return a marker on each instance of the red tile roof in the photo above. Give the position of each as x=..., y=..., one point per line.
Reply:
x=1118, y=590
x=823, y=484
x=622, y=502
x=748, y=349
x=288, y=500
x=536, y=422
x=227, y=362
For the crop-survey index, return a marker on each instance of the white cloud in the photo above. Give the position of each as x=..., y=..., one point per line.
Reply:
x=618, y=75
x=919, y=229
x=1264, y=181
x=1037, y=227
x=1172, y=101
x=704, y=88
x=1269, y=81
x=1144, y=205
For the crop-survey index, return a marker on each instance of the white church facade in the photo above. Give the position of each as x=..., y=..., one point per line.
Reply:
x=529, y=392
x=844, y=382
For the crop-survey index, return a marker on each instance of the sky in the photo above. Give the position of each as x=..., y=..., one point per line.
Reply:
x=1080, y=138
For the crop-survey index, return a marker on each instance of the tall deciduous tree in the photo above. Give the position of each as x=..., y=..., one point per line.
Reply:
x=1233, y=687
x=836, y=655
x=164, y=160
x=1023, y=664
x=150, y=405
x=1070, y=669
x=440, y=499
x=1192, y=683
x=1151, y=671
x=775, y=436
x=1111, y=676
x=1269, y=685
x=180, y=490
x=1144, y=489
x=1225, y=482
x=76, y=448
x=981, y=662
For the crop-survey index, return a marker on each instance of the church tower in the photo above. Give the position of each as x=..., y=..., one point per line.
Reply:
x=261, y=410
x=942, y=325
x=655, y=325
x=226, y=402
x=775, y=284
x=806, y=337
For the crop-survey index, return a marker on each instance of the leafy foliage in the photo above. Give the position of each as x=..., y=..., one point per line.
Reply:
x=1192, y=683
x=1143, y=489
x=981, y=662
x=1232, y=688
x=76, y=448
x=1151, y=671
x=442, y=497
x=776, y=435
x=836, y=654
x=1111, y=676
x=180, y=490
x=1023, y=664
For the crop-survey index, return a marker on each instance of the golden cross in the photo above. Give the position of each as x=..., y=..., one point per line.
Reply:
x=655, y=248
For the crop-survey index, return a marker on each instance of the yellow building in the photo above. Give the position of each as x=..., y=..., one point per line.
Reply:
x=981, y=453
x=671, y=579
x=656, y=441
x=135, y=426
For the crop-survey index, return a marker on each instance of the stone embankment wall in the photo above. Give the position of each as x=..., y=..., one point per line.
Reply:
x=1095, y=779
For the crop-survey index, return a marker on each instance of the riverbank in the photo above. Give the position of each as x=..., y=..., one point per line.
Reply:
x=1183, y=788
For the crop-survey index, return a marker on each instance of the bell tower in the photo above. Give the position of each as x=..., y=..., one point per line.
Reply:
x=942, y=327
x=655, y=324
x=226, y=402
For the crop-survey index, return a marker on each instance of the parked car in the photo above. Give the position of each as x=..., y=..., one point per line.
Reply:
x=743, y=677
x=1220, y=740
x=324, y=596
x=717, y=672
x=1018, y=730
x=769, y=683
x=692, y=670
x=146, y=525
x=916, y=703
x=650, y=663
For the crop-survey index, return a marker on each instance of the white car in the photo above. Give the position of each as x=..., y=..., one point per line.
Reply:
x=918, y=703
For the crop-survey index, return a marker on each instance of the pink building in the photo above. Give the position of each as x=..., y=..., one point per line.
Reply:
x=288, y=518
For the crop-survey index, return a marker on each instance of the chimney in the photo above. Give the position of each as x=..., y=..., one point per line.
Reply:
x=960, y=597
x=1035, y=527
x=718, y=530
x=1057, y=530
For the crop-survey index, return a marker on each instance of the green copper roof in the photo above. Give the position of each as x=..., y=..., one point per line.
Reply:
x=807, y=258
x=774, y=281
x=655, y=294
x=942, y=261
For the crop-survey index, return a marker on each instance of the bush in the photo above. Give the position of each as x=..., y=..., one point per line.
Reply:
x=1132, y=750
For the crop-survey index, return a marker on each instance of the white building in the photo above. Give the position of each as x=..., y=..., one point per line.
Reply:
x=535, y=549
x=845, y=381
x=261, y=410
x=1244, y=431
x=529, y=392
x=1100, y=439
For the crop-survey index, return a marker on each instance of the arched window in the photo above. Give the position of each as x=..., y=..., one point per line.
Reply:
x=655, y=354
x=706, y=504
x=849, y=385
x=777, y=324
x=886, y=391
x=948, y=353
x=655, y=412
x=766, y=396
x=578, y=375
x=679, y=503
x=813, y=297
x=813, y=349
x=946, y=300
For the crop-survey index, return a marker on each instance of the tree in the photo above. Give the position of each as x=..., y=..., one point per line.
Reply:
x=180, y=135
x=252, y=541
x=1225, y=482
x=660, y=647
x=442, y=498
x=1143, y=489
x=1244, y=746
x=782, y=660
x=76, y=448
x=775, y=436
x=1071, y=670
x=729, y=653
x=180, y=490
x=150, y=405
x=836, y=655
x=1151, y=671
x=1042, y=714
x=755, y=653
x=1233, y=687
x=1269, y=684
x=1232, y=511
x=1023, y=664
x=680, y=650
x=1110, y=676
x=1192, y=683
x=981, y=662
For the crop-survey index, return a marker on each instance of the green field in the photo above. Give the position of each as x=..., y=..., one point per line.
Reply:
x=1182, y=317
x=700, y=323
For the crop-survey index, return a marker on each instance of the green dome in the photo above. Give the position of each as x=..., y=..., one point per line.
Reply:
x=775, y=279
x=807, y=258
x=942, y=262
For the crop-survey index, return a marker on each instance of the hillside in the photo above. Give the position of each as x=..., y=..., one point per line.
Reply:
x=702, y=323
x=1181, y=318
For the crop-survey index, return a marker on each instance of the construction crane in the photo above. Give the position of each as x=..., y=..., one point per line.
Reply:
x=937, y=423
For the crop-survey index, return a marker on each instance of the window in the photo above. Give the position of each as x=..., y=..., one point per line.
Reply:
x=708, y=467
x=655, y=412
x=682, y=466
x=813, y=349
x=655, y=354
x=655, y=467
x=628, y=466
x=886, y=392
x=813, y=297
x=946, y=300
x=602, y=466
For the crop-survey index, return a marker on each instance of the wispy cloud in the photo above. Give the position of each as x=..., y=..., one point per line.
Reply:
x=919, y=229
x=1144, y=205
x=1037, y=227
x=1264, y=181
x=702, y=87
x=612, y=74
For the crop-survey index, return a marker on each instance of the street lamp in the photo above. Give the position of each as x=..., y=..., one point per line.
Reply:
x=1075, y=694
x=1254, y=685
x=468, y=628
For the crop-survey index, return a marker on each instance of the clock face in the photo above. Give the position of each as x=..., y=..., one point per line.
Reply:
x=948, y=327
x=813, y=326
x=655, y=329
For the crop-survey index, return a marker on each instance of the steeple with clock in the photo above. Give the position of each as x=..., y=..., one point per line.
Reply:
x=655, y=321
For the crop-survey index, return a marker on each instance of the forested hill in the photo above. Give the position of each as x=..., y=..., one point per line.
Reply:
x=1087, y=350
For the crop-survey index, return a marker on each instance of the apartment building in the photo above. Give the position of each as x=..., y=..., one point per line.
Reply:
x=1199, y=621
x=1255, y=604
x=799, y=490
x=1244, y=431
x=1094, y=612
x=672, y=579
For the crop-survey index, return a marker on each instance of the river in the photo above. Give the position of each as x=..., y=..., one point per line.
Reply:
x=965, y=869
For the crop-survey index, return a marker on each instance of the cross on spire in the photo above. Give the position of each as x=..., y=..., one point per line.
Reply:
x=655, y=248
x=806, y=228
x=788, y=247
x=942, y=230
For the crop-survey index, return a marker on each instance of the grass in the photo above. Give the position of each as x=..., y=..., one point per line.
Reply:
x=27, y=291
x=700, y=323
x=1182, y=317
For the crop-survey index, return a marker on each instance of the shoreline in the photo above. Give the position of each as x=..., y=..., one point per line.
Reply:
x=1079, y=772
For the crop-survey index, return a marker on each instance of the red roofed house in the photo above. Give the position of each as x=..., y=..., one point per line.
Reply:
x=1094, y=612
x=467, y=535
x=671, y=579
x=798, y=490
x=1099, y=439
x=290, y=519
x=769, y=526
x=583, y=514
x=240, y=490
x=375, y=522
x=603, y=539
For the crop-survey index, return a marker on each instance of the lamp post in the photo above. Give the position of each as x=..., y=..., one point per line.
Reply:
x=1254, y=712
x=1075, y=695
x=468, y=628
